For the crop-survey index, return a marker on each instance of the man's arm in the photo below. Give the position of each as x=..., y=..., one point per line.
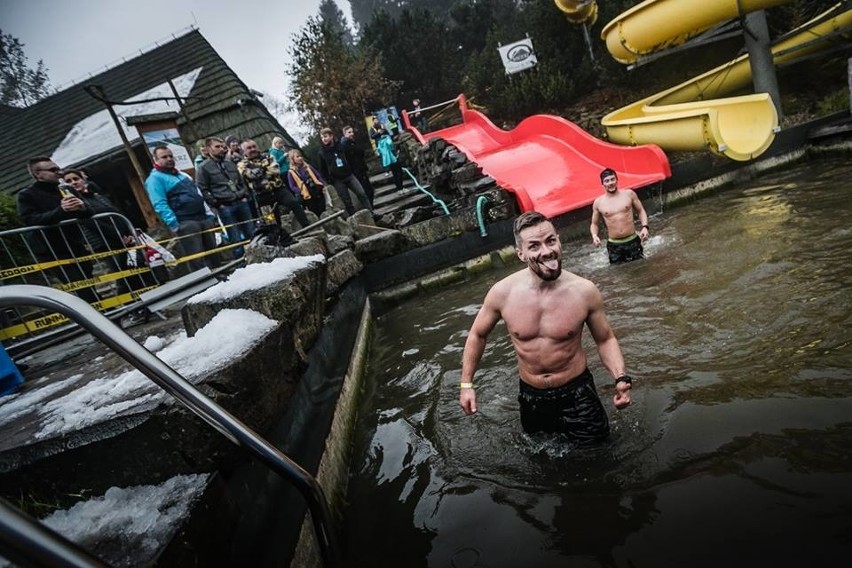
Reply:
x=157, y=194
x=240, y=182
x=643, y=217
x=323, y=167
x=202, y=180
x=474, y=347
x=608, y=348
x=595, y=226
x=32, y=212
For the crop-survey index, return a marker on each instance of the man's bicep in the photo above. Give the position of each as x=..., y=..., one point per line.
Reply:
x=488, y=315
x=596, y=319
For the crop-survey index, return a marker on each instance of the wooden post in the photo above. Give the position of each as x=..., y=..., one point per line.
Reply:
x=137, y=184
x=849, y=77
x=141, y=196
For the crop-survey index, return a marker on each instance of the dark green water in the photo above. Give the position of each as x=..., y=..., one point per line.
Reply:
x=737, y=449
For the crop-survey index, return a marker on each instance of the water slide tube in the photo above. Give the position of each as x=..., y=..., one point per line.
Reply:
x=579, y=11
x=550, y=164
x=688, y=116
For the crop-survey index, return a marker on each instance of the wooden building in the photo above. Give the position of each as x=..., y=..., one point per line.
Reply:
x=74, y=126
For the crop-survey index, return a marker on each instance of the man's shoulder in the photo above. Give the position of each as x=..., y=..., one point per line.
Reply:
x=577, y=284
x=505, y=285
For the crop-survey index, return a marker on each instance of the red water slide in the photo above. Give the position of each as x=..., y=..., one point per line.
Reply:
x=550, y=164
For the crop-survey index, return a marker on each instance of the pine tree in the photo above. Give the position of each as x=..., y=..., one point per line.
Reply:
x=20, y=85
x=333, y=17
x=331, y=85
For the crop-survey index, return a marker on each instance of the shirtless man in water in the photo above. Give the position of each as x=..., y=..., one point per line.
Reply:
x=545, y=308
x=617, y=206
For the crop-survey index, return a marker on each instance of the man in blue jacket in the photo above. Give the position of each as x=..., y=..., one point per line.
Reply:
x=178, y=202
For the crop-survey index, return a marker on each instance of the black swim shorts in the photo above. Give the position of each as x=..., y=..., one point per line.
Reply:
x=573, y=409
x=625, y=250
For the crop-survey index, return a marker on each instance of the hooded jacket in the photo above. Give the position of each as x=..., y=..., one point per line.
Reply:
x=333, y=164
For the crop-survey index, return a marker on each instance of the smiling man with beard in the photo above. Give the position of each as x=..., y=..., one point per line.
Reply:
x=545, y=308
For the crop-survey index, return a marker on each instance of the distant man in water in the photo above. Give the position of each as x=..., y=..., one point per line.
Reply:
x=545, y=308
x=617, y=206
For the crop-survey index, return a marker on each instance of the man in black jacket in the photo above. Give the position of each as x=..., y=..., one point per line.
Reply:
x=355, y=155
x=263, y=177
x=336, y=169
x=44, y=204
x=225, y=190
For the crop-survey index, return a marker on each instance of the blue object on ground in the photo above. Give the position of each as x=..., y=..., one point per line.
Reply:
x=10, y=376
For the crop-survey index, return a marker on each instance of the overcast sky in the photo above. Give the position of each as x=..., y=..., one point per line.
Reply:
x=78, y=37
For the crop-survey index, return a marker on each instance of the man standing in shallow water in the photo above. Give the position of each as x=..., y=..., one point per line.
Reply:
x=617, y=206
x=545, y=308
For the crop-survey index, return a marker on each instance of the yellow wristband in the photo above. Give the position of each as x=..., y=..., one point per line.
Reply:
x=466, y=385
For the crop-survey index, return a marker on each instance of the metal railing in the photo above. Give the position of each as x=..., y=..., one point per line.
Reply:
x=173, y=383
x=89, y=257
x=100, y=258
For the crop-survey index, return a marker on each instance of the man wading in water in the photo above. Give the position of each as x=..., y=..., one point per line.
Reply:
x=616, y=206
x=544, y=309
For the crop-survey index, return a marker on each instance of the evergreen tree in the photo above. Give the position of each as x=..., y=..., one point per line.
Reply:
x=332, y=16
x=419, y=53
x=331, y=85
x=363, y=11
x=20, y=85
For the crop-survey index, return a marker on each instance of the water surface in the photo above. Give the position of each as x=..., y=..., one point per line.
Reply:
x=738, y=445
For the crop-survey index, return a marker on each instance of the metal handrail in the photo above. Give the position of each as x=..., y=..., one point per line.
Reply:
x=173, y=383
x=27, y=542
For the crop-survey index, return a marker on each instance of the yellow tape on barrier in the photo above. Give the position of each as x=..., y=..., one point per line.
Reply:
x=51, y=320
x=109, y=277
x=7, y=273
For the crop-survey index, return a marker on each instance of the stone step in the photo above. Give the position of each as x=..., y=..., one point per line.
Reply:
x=410, y=197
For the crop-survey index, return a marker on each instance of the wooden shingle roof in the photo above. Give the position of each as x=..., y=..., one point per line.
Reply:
x=39, y=129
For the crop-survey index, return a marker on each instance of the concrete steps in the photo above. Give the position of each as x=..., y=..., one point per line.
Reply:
x=388, y=200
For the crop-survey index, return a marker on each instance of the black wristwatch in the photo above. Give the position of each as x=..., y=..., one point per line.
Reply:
x=624, y=379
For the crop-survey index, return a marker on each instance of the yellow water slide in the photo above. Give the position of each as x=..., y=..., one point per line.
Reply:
x=689, y=116
x=579, y=11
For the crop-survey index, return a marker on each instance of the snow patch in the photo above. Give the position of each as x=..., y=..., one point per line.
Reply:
x=254, y=277
x=228, y=336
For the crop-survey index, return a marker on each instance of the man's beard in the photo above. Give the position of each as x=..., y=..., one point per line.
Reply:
x=547, y=274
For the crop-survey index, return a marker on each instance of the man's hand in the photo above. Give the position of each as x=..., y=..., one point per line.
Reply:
x=622, y=395
x=596, y=240
x=71, y=204
x=467, y=400
x=644, y=234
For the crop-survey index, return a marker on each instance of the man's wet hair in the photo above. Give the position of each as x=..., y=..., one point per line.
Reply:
x=608, y=172
x=526, y=220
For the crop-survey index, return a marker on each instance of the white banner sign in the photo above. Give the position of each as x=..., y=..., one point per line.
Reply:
x=518, y=56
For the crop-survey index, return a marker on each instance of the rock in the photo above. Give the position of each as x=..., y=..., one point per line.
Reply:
x=380, y=246
x=338, y=243
x=341, y=267
x=297, y=299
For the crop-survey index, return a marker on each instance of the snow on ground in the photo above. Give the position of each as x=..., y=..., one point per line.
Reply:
x=154, y=343
x=229, y=335
x=254, y=277
x=142, y=519
x=14, y=406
